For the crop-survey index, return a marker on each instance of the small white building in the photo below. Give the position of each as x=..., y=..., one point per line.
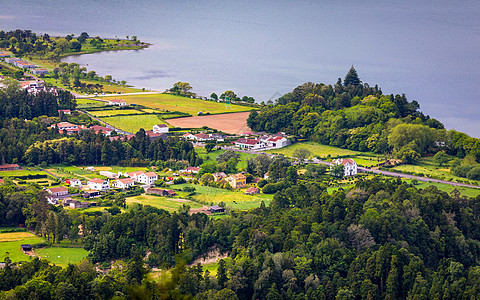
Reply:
x=98, y=184
x=250, y=144
x=117, y=102
x=160, y=128
x=123, y=183
x=349, y=165
x=75, y=182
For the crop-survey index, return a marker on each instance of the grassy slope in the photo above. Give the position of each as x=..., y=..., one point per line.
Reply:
x=114, y=112
x=62, y=256
x=233, y=199
x=168, y=204
x=11, y=243
x=242, y=164
x=183, y=104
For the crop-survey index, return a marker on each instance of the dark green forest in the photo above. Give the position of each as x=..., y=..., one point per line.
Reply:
x=383, y=239
x=353, y=115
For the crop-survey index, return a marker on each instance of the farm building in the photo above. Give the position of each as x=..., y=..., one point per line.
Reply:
x=160, y=128
x=219, y=176
x=161, y=192
x=11, y=167
x=252, y=191
x=91, y=194
x=216, y=209
x=26, y=247
x=117, y=102
x=58, y=191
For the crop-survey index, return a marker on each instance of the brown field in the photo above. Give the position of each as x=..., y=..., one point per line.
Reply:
x=234, y=123
x=15, y=236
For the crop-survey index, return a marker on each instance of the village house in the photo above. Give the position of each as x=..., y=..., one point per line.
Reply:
x=11, y=167
x=276, y=142
x=134, y=175
x=39, y=71
x=141, y=177
x=190, y=170
x=350, y=166
x=152, y=136
x=237, y=180
x=97, y=128
x=52, y=200
x=202, y=137
x=65, y=111
x=160, y=128
x=252, y=191
x=219, y=176
x=123, y=183
x=117, y=102
x=58, y=191
x=74, y=204
x=67, y=127
x=188, y=136
x=91, y=194
x=74, y=182
x=98, y=184
x=4, y=55
x=150, y=178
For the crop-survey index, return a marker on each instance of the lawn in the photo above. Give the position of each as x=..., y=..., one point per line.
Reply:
x=168, y=204
x=133, y=123
x=114, y=112
x=183, y=104
x=62, y=256
x=233, y=199
x=11, y=242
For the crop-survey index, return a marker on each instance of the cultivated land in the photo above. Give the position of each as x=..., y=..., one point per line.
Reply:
x=166, y=203
x=166, y=102
x=87, y=103
x=133, y=123
x=234, y=123
x=114, y=112
x=233, y=199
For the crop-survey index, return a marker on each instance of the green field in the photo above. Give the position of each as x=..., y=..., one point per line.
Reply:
x=86, y=103
x=10, y=242
x=233, y=199
x=168, y=204
x=133, y=123
x=62, y=256
x=316, y=149
x=183, y=104
x=428, y=167
x=114, y=112
x=212, y=156
x=464, y=191
x=23, y=172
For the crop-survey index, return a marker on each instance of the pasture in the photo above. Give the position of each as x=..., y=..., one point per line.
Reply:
x=133, y=123
x=169, y=102
x=317, y=150
x=233, y=199
x=114, y=112
x=166, y=203
x=427, y=166
x=464, y=191
x=88, y=103
x=212, y=157
x=11, y=241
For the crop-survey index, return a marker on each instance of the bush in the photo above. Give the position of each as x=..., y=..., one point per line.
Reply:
x=179, y=180
x=261, y=183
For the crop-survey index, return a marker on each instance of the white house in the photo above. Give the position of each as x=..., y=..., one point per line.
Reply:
x=123, y=183
x=160, y=128
x=141, y=177
x=75, y=182
x=188, y=136
x=249, y=144
x=151, y=177
x=98, y=184
x=349, y=164
x=117, y=102
x=134, y=175
x=276, y=142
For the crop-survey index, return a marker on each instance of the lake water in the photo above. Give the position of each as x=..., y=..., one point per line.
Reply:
x=428, y=50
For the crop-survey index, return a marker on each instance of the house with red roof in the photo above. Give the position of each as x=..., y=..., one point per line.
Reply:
x=11, y=167
x=58, y=191
x=250, y=144
x=350, y=166
x=117, y=102
x=98, y=184
x=97, y=128
x=160, y=128
x=123, y=183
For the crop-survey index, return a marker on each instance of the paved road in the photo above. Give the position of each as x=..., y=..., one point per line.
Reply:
x=375, y=171
x=115, y=95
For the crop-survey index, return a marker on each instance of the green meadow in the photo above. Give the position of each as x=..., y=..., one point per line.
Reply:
x=133, y=123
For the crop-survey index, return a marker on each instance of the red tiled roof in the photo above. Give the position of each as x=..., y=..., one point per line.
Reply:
x=246, y=141
x=161, y=125
x=9, y=166
x=97, y=128
x=117, y=101
x=202, y=135
x=96, y=180
x=58, y=189
x=125, y=180
x=151, y=174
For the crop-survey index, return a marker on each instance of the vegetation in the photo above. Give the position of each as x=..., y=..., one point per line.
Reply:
x=133, y=123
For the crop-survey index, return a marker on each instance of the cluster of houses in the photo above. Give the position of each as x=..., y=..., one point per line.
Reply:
x=36, y=86
x=23, y=64
x=204, y=137
x=263, y=142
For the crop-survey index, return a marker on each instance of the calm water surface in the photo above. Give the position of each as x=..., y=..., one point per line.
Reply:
x=425, y=49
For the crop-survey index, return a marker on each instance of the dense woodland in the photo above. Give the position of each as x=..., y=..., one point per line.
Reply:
x=359, y=117
x=382, y=239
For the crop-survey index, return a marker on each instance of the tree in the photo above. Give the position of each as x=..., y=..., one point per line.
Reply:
x=108, y=78
x=337, y=170
x=441, y=158
x=214, y=96
x=302, y=154
x=83, y=37
x=351, y=78
x=209, y=147
x=418, y=137
x=182, y=89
